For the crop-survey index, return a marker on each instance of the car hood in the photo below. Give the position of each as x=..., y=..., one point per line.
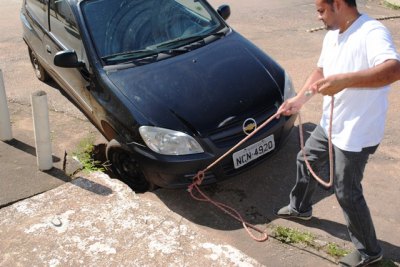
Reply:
x=202, y=90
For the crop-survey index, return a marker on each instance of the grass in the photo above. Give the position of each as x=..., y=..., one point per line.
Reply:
x=389, y=5
x=289, y=235
x=84, y=154
x=335, y=250
x=292, y=236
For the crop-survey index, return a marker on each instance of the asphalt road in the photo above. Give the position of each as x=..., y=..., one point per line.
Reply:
x=280, y=29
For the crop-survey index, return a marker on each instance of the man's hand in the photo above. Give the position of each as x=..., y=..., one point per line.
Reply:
x=290, y=106
x=381, y=75
x=330, y=85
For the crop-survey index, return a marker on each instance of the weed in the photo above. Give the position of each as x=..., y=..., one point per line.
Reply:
x=391, y=6
x=290, y=236
x=84, y=154
x=335, y=251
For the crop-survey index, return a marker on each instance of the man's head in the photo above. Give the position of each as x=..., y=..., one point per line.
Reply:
x=336, y=14
x=349, y=2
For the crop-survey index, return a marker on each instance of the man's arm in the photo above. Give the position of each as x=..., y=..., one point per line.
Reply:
x=383, y=74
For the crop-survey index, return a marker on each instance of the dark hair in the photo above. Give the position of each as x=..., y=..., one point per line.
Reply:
x=348, y=2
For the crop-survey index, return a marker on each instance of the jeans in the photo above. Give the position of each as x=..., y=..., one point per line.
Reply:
x=349, y=168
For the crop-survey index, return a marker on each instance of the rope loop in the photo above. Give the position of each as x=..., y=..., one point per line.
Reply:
x=197, y=180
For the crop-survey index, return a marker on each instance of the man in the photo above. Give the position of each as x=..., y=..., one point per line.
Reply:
x=358, y=61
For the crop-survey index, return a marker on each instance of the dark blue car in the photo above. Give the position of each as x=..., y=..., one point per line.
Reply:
x=167, y=82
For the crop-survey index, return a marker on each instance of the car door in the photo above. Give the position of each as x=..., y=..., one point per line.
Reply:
x=64, y=35
x=35, y=21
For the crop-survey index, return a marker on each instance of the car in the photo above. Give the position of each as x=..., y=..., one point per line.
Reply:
x=169, y=84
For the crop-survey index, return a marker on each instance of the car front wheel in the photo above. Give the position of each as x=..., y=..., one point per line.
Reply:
x=40, y=72
x=127, y=168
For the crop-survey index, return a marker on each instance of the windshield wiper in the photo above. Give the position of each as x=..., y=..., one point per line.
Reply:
x=136, y=54
x=183, y=41
x=156, y=52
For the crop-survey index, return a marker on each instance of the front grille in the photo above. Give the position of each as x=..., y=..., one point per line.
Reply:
x=228, y=136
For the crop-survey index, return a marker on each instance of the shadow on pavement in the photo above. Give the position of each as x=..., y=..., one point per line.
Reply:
x=59, y=174
x=91, y=186
x=26, y=148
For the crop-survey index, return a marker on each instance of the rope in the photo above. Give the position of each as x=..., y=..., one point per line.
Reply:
x=228, y=210
x=316, y=177
x=199, y=177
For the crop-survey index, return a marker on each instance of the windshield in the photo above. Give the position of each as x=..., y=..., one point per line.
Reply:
x=127, y=29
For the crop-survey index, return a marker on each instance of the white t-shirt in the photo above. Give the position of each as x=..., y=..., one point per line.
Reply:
x=359, y=114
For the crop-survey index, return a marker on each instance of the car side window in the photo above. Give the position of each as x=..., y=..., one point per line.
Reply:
x=63, y=25
x=37, y=9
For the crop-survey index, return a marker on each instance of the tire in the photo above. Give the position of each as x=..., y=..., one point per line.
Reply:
x=40, y=72
x=125, y=166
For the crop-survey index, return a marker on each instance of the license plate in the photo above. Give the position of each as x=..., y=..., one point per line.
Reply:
x=254, y=151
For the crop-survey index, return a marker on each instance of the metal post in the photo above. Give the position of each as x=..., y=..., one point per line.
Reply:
x=5, y=124
x=42, y=130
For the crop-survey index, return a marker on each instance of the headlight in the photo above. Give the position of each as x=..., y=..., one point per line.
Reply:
x=169, y=142
x=289, y=91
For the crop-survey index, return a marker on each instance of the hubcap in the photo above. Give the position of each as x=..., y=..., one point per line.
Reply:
x=36, y=66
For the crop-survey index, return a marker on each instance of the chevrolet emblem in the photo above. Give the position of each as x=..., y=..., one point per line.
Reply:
x=249, y=125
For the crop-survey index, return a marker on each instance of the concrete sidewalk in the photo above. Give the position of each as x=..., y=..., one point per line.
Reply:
x=96, y=221
x=19, y=174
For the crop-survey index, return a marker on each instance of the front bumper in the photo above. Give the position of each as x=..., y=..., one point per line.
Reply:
x=179, y=171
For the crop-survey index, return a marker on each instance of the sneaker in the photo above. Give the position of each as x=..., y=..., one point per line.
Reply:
x=355, y=259
x=287, y=213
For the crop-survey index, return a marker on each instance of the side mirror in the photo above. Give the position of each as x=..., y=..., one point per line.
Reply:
x=224, y=11
x=67, y=59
